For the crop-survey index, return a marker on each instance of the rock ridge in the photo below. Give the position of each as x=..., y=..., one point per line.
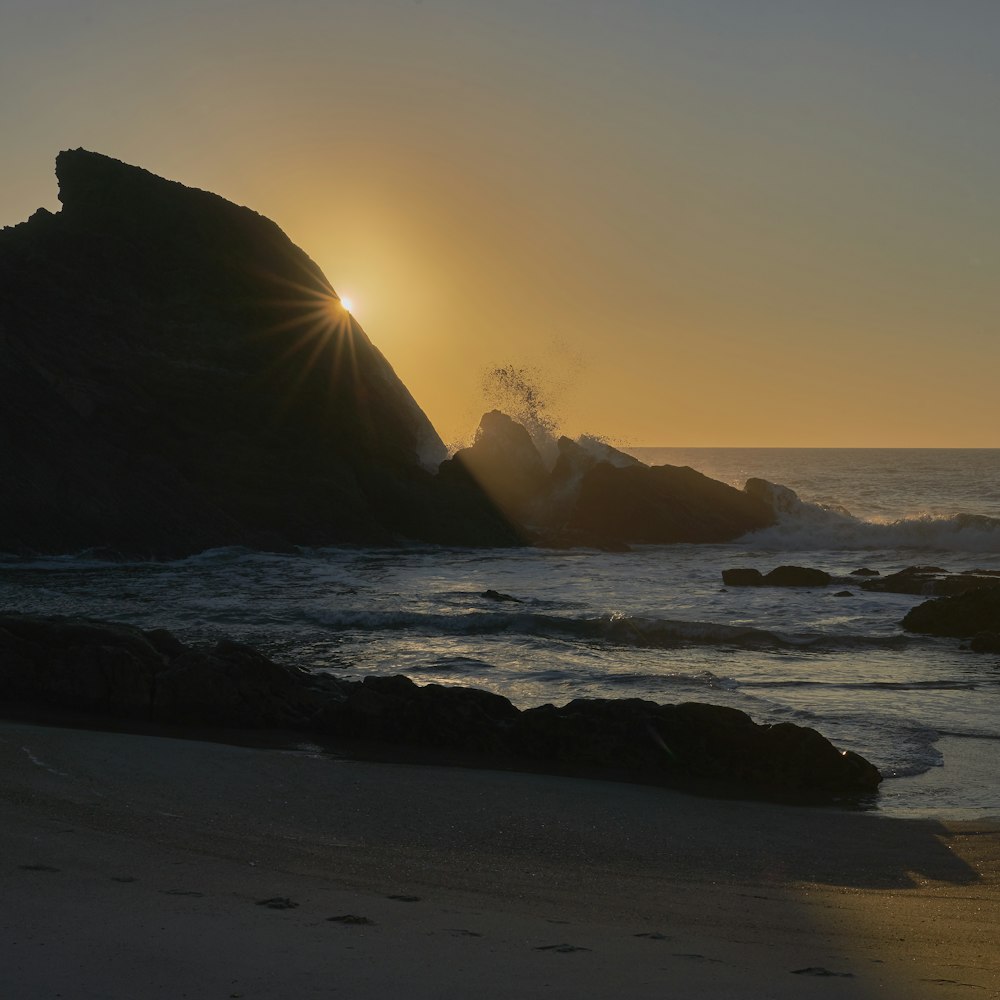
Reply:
x=118, y=671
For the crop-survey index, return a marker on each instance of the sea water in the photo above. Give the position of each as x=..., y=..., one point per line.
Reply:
x=653, y=623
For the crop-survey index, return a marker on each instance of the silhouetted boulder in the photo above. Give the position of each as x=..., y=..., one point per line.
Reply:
x=865, y=571
x=932, y=581
x=985, y=642
x=496, y=595
x=116, y=670
x=661, y=505
x=175, y=374
x=796, y=576
x=960, y=616
x=504, y=462
x=690, y=742
x=783, y=576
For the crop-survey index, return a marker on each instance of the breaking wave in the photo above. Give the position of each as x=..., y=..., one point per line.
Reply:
x=616, y=630
x=802, y=525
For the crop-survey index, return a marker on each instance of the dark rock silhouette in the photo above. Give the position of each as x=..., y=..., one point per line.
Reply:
x=661, y=505
x=974, y=613
x=932, y=581
x=496, y=595
x=175, y=374
x=596, y=495
x=505, y=463
x=796, y=576
x=782, y=576
x=123, y=672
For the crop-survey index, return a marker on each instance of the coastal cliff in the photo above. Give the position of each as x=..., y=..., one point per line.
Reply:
x=175, y=374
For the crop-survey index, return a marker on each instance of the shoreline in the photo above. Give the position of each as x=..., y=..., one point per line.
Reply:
x=657, y=890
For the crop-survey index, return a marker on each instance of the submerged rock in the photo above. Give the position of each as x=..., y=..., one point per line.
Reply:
x=127, y=673
x=742, y=577
x=175, y=374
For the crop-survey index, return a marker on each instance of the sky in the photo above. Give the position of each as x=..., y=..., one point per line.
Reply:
x=744, y=223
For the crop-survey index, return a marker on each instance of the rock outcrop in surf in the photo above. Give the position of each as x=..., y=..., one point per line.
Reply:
x=175, y=374
x=971, y=614
x=597, y=495
x=126, y=673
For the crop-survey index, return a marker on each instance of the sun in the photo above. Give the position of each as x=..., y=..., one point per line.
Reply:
x=345, y=302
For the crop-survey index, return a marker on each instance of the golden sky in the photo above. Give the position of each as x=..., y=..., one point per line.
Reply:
x=715, y=222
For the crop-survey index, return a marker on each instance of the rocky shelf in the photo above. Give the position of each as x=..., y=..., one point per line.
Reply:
x=120, y=672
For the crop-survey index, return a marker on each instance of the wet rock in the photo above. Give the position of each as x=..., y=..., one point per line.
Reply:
x=504, y=462
x=960, y=616
x=118, y=670
x=932, y=581
x=692, y=742
x=796, y=576
x=496, y=595
x=985, y=642
x=783, y=576
x=844, y=593
x=865, y=571
x=661, y=505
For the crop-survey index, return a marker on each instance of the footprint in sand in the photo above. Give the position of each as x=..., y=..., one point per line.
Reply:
x=39, y=868
x=693, y=956
x=563, y=949
x=462, y=932
x=652, y=936
x=405, y=899
x=351, y=918
x=818, y=970
x=124, y=878
x=278, y=903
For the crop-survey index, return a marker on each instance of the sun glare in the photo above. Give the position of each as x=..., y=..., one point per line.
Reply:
x=346, y=303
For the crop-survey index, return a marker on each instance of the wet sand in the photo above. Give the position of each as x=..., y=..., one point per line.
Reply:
x=139, y=865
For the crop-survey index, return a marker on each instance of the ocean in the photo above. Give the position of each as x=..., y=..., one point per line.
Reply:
x=653, y=623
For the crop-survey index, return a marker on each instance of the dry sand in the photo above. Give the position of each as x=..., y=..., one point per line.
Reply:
x=134, y=866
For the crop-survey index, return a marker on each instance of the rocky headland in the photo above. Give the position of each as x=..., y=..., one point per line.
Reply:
x=176, y=375
x=111, y=671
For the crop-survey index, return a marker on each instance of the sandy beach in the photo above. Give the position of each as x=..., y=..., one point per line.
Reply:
x=137, y=865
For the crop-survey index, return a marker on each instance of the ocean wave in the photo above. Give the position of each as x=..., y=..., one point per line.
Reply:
x=615, y=629
x=939, y=685
x=703, y=678
x=802, y=525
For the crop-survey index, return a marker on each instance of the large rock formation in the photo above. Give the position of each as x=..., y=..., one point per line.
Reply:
x=119, y=671
x=175, y=374
x=932, y=581
x=597, y=495
x=961, y=616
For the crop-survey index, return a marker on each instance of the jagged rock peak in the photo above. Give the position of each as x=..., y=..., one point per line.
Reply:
x=176, y=374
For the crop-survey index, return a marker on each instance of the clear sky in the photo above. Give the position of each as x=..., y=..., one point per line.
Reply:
x=701, y=222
